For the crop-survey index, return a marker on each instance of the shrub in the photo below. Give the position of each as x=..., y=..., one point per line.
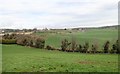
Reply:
x=31, y=43
x=22, y=40
x=7, y=36
x=29, y=40
x=117, y=46
x=114, y=48
x=85, y=48
x=65, y=44
x=39, y=43
x=50, y=47
x=80, y=48
x=94, y=48
x=106, y=47
x=73, y=44
x=8, y=41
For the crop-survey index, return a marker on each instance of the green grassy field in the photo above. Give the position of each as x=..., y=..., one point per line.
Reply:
x=99, y=36
x=25, y=59
x=0, y=58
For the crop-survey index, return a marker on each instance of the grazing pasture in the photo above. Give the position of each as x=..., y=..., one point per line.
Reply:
x=98, y=36
x=26, y=59
x=16, y=58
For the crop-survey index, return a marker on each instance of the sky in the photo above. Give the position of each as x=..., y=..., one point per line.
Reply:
x=20, y=14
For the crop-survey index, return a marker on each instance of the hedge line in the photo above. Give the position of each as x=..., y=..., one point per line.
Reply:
x=73, y=46
x=8, y=41
x=24, y=40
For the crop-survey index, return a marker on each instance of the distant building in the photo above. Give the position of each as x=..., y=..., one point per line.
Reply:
x=81, y=30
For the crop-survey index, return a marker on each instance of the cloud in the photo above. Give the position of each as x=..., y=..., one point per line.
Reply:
x=57, y=13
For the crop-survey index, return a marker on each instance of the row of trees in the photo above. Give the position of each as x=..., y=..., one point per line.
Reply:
x=24, y=40
x=74, y=47
x=38, y=42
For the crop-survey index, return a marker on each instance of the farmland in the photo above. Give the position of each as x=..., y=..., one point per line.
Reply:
x=99, y=36
x=25, y=59
x=18, y=58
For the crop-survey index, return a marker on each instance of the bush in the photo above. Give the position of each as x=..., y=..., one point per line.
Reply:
x=80, y=48
x=31, y=43
x=29, y=40
x=117, y=46
x=74, y=44
x=106, y=47
x=39, y=43
x=65, y=44
x=7, y=36
x=8, y=41
x=22, y=40
x=85, y=48
x=94, y=48
x=114, y=48
x=50, y=47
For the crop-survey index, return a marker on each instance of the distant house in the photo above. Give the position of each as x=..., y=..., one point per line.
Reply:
x=81, y=30
x=2, y=32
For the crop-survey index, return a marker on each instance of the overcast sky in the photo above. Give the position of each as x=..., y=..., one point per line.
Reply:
x=57, y=13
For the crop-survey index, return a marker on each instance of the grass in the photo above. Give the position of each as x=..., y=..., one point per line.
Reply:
x=99, y=36
x=26, y=59
x=0, y=58
x=17, y=58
